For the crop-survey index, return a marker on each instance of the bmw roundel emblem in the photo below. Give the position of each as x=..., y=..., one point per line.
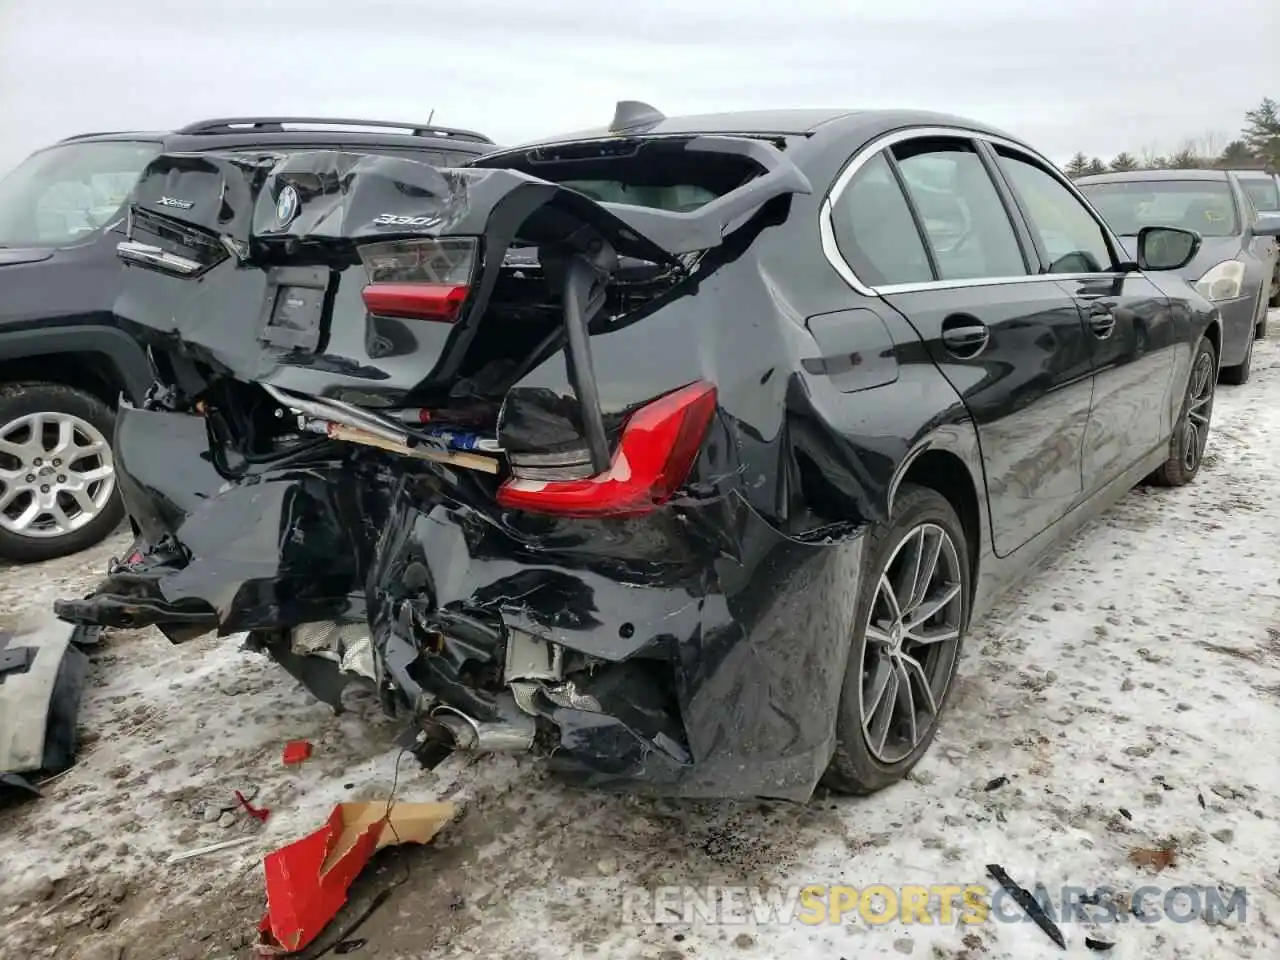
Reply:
x=287, y=205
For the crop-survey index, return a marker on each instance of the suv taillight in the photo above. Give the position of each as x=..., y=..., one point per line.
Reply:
x=656, y=450
x=419, y=279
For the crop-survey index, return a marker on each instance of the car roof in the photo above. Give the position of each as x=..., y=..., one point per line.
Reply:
x=814, y=124
x=1254, y=174
x=1139, y=175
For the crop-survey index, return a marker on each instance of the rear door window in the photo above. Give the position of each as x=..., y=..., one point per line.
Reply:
x=1263, y=194
x=874, y=229
x=960, y=210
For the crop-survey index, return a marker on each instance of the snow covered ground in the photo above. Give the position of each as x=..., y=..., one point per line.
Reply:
x=1130, y=694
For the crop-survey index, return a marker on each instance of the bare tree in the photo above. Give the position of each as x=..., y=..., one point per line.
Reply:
x=1210, y=144
x=1150, y=157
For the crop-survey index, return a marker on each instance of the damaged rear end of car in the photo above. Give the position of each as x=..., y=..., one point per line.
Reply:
x=380, y=443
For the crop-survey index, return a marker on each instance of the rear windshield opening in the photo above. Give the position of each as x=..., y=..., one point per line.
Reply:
x=1206, y=206
x=663, y=174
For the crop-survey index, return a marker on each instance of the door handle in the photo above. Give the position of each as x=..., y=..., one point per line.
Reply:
x=964, y=337
x=1102, y=322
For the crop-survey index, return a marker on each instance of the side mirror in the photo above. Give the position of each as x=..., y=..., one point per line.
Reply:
x=1166, y=248
x=1268, y=225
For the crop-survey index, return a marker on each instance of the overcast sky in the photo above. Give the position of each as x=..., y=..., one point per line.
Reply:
x=1093, y=75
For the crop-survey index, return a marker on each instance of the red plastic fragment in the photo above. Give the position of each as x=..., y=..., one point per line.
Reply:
x=295, y=751
x=307, y=880
x=258, y=813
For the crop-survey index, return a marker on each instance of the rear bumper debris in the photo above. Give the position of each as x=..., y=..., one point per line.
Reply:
x=701, y=655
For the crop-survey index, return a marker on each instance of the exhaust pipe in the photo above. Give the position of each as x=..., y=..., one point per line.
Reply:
x=512, y=735
x=338, y=412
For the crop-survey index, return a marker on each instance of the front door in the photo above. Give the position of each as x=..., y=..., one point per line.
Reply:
x=925, y=224
x=1130, y=329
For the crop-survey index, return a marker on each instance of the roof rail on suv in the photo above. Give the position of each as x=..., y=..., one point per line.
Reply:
x=276, y=125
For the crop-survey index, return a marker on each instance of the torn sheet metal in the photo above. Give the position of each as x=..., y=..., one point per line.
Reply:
x=682, y=671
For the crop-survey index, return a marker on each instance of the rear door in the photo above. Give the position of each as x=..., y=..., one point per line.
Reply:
x=925, y=225
x=1131, y=331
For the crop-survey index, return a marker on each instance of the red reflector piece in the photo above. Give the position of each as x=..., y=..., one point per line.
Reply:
x=656, y=451
x=416, y=301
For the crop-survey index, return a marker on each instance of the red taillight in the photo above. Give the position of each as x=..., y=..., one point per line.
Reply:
x=420, y=278
x=656, y=451
x=416, y=301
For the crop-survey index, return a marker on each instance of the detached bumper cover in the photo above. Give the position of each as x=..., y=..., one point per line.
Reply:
x=42, y=678
x=711, y=648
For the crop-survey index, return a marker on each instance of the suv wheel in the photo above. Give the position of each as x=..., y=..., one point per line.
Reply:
x=57, y=476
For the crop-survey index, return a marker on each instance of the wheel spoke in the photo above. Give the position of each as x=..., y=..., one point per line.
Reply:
x=83, y=500
x=19, y=451
x=931, y=549
x=930, y=608
x=28, y=516
x=882, y=719
x=916, y=668
x=924, y=636
x=907, y=702
x=886, y=591
x=878, y=635
x=66, y=436
x=873, y=698
x=11, y=493
x=90, y=476
x=60, y=519
x=908, y=576
x=91, y=449
x=36, y=443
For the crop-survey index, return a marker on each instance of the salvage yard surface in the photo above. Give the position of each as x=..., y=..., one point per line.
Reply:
x=1128, y=695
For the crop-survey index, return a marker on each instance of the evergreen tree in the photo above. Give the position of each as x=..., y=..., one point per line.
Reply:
x=1262, y=131
x=1236, y=152
x=1078, y=166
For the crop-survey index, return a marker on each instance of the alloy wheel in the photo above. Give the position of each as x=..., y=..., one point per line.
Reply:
x=912, y=639
x=1199, y=409
x=56, y=474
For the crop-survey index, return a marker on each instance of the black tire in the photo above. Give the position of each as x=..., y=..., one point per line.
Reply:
x=19, y=400
x=1181, y=468
x=1238, y=375
x=855, y=768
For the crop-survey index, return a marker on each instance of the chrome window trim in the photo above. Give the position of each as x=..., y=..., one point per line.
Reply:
x=826, y=227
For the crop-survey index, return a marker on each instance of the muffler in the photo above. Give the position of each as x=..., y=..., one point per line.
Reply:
x=514, y=734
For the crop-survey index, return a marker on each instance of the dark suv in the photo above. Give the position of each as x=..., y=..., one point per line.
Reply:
x=65, y=357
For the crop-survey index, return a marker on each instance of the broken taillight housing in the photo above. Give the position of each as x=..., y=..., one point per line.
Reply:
x=419, y=279
x=656, y=450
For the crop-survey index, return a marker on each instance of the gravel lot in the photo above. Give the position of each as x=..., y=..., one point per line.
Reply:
x=1130, y=694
